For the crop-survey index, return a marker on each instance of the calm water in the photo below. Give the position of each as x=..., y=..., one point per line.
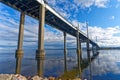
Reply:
x=105, y=67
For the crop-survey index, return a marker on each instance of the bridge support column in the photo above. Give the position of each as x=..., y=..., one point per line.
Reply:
x=40, y=69
x=19, y=51
x=88, y=50
x=40, y=53
x=89, y=59
x=78, y=53
x=97, y=52
x=93, y=51
x=65, y=53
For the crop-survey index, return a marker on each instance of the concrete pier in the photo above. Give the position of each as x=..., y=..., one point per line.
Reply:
x=78, y=53
x=19, y=51
x=93, y=51
x=40, y=53
x=40, y=69
x=89, y=60
x=65, y=53
x=88, y=50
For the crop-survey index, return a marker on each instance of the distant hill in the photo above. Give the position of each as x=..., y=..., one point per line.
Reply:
x=105, y=48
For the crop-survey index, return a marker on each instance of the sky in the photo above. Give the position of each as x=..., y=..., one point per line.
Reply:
x=102, y=16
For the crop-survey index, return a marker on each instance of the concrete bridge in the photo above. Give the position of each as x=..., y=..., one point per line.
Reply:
x=41, y=11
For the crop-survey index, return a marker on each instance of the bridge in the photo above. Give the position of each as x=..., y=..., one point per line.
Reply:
x=41, y=11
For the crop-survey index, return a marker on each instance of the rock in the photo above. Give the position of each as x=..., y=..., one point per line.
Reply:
x=18, y=77
x=29, y=77
x=77, y=79
x=36, y=78
x=12, y=77
x=51, y=78
x=5, y=77
x=45, y=79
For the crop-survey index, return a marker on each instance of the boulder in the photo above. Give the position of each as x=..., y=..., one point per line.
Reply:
x=5, y=76
x=18, y=77
x=77, y=79
x=51, y=78
x=12, y=77
x=36, y=78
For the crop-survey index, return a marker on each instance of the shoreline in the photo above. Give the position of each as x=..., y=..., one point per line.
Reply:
x=36, y=77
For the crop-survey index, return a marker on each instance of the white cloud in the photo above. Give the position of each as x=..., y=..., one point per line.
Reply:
x=63, y=11
x=53, y=2
x=89, y=3
x=112, y=17
x=84, y=3
x=101, y=3
x=105, y=36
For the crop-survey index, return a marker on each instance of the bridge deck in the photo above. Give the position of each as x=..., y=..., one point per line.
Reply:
x=31, y=8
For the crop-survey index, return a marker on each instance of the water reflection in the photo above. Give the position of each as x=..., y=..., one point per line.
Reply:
x=105, y=65
x=40, y=67
x=107, y=62
x=72, y=74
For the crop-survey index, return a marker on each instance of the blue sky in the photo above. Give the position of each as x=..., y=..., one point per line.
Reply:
x=103, y=17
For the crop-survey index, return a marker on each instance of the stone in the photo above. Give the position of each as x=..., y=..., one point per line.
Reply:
x=12, y=77
x=45, y=79
x=51, y=78
x=5, y=77
x=18, y=77
x=77, y=79
x=36, y=78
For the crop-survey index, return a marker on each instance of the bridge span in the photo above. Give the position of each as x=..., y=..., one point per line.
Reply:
x=41, y=11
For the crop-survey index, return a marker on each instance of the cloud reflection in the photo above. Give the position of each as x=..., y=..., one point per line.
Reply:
x=107, y=62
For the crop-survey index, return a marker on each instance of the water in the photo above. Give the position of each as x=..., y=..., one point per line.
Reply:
x=53, y=63
x=105, y=67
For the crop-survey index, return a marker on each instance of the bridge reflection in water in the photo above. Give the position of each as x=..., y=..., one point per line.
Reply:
x=74, y=72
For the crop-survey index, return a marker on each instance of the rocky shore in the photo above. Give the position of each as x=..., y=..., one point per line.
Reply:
x=20, y=77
